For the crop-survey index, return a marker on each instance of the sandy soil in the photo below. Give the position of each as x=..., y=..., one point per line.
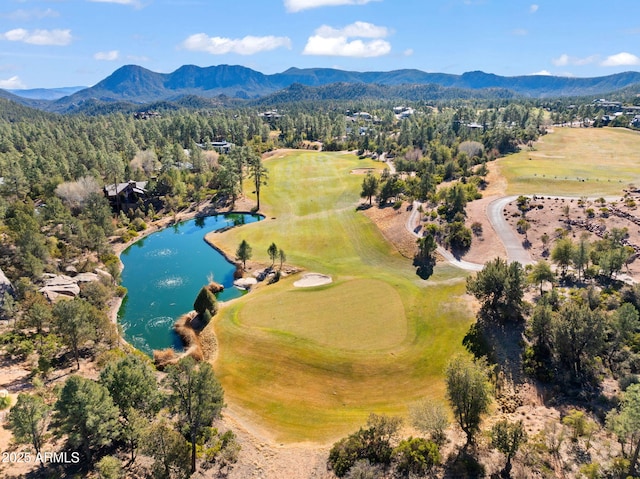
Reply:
x=310, y=280
x=487, y=244
x=549, y=216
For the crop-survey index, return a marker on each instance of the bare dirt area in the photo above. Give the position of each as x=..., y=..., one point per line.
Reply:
x=363, y=171
x=589, y=217
x=262, y=457
x=486, y=245
x=391, y=223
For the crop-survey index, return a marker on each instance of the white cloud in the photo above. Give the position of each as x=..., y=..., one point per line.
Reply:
x=356, y=29
x=26, y=15
x=249, y=45
x=545, y=73
x=561, y=61
x=342, y=47
x=408, y=52
x=299, y=5
x=12, y=83
x=534, y=8
x=564, y=60
x=329, y=41
x=38, y=37
x=621, y=59
x=107, y=56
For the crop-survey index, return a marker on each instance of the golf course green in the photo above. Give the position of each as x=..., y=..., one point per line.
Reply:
x=310, y=364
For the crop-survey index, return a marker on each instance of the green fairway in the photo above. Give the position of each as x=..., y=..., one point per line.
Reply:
x=358, y=315
x=576, y=162
x=311, y=364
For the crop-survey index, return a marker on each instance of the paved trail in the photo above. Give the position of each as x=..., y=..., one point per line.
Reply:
x=512, y=244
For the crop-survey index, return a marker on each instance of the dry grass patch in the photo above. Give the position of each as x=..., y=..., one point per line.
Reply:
x=575, y=162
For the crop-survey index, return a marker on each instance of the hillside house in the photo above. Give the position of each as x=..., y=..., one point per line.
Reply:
x=607, y=105
x=270, y=115
x=125, y=195
x=223, y=146
x=402, y=112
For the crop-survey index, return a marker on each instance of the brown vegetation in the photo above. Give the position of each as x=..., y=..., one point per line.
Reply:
x=188, y=327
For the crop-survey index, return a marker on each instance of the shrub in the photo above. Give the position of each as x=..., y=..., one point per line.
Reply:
x=476, y=228
x=363, y=469
x=371, y=443
x=416, y=456
x=5, y=402
x=138, y=224
x=128, y=235
x=344, y=454
x=109, y=467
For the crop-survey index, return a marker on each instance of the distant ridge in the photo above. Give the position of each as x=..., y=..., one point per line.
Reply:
x=137, y=85
x=47, y=93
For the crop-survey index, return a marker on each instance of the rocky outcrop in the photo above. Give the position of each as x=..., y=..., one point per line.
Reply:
x=5, y=286
x=61, y=285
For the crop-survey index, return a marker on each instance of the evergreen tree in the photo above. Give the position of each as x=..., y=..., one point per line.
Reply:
x=28, y=420
x=244, y=253
x=195, y=396
x=468, y=393
x=86, y=415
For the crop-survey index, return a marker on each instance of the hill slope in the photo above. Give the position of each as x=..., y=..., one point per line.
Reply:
x=137, y=85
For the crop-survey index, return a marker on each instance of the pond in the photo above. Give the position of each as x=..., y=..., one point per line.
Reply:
x=163, y=273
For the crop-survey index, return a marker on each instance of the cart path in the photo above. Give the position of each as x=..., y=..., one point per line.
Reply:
x=512, y=244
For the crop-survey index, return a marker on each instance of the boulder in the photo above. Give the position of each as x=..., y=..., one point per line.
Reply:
x=245, y=283
x=72, y=270
x=5, y=286
x=86, y=277
x=56, y=286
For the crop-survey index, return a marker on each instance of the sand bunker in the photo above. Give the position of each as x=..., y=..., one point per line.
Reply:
x=312, y=279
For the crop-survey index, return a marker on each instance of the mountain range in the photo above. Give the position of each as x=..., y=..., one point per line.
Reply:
x=137, y=85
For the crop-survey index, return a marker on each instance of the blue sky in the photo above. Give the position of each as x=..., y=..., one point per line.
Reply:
x=56, y=43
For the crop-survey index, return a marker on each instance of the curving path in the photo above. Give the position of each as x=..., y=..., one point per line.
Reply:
x=512, y=243
x=413, y=227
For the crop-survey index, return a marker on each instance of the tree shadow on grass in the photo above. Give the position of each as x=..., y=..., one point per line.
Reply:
x=424, y=269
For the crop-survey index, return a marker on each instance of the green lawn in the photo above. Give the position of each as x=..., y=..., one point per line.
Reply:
x=311, y=364
x=576, y=162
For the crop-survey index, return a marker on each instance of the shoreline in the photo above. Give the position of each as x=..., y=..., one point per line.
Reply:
x=119, y=247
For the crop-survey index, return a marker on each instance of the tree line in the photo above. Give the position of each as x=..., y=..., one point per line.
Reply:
x=127, y=411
